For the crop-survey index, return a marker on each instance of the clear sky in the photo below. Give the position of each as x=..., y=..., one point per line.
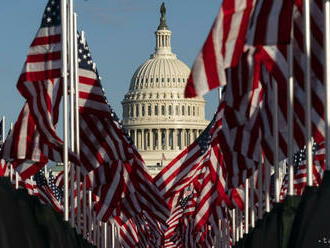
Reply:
x=120, y=34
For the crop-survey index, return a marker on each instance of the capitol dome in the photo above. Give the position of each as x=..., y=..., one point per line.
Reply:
x=160, y=121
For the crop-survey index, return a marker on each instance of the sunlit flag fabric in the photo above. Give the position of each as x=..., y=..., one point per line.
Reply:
x=40, y=79
x=222, y=47
x=25, y=147
x=4, y=168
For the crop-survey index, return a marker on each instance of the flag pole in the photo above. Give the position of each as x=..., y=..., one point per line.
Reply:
x=76, y=90
x=11, y=169
x=84, y=205
x=246, y=205
x=326, y=9
x=267, y=186
x=308, y=92
x=252, y=189
x=290, y=112
x=72, y=131
x=275, y=133
x=90, y=212
x=65, y=106
x=260, y=186
x=234, y=225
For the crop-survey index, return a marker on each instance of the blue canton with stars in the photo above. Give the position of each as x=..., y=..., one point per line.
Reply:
x=300, y=156
x=40, y=178
x=52, y=14
x=58, y=193
x=204, y=139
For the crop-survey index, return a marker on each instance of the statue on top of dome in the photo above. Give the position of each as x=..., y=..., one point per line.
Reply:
x=162, y=24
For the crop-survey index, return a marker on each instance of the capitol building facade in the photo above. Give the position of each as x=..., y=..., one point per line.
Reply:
x=159, y=120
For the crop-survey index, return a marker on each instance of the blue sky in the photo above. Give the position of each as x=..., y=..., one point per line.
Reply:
x=120, y=34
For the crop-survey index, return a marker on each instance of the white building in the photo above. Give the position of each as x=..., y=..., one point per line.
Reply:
x=160, y=121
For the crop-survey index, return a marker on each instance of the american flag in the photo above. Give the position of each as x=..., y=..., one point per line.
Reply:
x=222, y=47
x=199, y=164
x=300, y=170
x=4, y=168
x=270, y=18
x=116, y=170
x=39, y=81
x=25, y=148
x=48, y=192
x=34, y=137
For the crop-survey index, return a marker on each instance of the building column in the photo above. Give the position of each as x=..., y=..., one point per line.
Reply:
x=182, y=139
x=142, y=139
x=175, y=139
x=135, y=137
x=167, y=140
x=159, y=145
x=151, y=139
x=138, y=138
x=190, y=136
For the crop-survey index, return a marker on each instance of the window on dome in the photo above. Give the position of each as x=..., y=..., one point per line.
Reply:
x=177, y=109
x=188, y=110
x=168, y=80
x=156, y=109
x=151, y=80
x=149, y=110
x=163, y=80
x=156, y=80
x=183, y=80
x=143, y=110
x=179, y=80
x=146, y=80
x=131, y=111
x=182, y=110
x=174, y=80
x=193, y=110
x=163, y=110
x=170, y=109
x=137, y=110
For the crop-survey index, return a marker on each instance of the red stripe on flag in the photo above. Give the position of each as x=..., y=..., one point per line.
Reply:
x=51, y=39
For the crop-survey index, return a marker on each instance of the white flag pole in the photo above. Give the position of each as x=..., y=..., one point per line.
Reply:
x=76, y=90
x=241, y=226
x=233, y=217
x=90, y=212
x=252, y=190
x=246, y=205
x=72, y=131
x=267, y=186
x=326, y=12
x=308, y=92
x=290, y=113
x=275, y=147
x=11, y=169
x=65, y=106
x=260, y=187
x=238, y=224
x=84, y=206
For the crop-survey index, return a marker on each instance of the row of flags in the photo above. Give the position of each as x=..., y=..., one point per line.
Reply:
x=208, y=190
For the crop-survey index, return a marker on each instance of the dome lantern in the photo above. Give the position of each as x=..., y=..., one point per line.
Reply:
x=163, y=36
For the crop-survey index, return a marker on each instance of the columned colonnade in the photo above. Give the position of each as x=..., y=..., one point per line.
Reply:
x=151, y=139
